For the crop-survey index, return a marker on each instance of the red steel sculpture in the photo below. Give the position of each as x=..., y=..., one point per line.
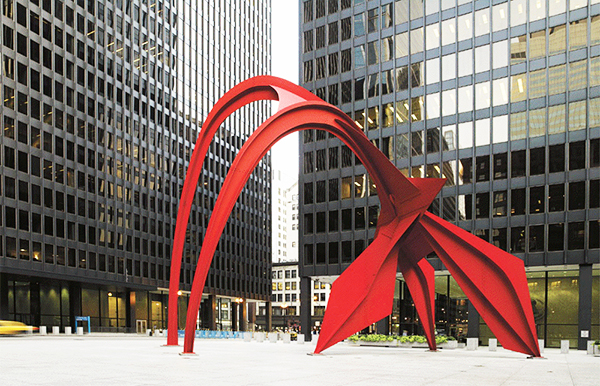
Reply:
x=493, y=280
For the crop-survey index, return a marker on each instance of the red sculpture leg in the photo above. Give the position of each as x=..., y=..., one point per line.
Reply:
x=364, y=293
x=493, y=280
x=251, y=90
x=420, y=279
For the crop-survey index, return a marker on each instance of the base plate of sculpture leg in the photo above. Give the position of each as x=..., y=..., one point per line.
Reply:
x=170, y=345
x=534, y=357
x=314, y=354
x=188, y=354
x=433, y=350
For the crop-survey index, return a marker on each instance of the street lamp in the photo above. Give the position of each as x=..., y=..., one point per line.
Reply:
x=284, y=307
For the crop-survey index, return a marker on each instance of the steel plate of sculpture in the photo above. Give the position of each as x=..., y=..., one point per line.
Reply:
x=492, y=279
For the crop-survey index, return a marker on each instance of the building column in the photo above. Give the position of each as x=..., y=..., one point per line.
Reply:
x=3, y=296
x=383, y=326
x=268, y=316
x=130, y=311
x=35, y=308
x=212, y=312
x=74, y=302
x=305, y=308
x=234, y=316
x=473, y=324
x=252, y=315
x=585, y=305
x=244, y=316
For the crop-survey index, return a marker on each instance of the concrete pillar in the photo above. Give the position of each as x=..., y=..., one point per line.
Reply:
x=473, y=324
x=493, y=344
x=43, y=330
x=305, y=307
x=68, y=330
x=564, y=346
x=585, y=305
x=3, y=296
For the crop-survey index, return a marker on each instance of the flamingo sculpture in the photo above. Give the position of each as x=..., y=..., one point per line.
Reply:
x=492, y=279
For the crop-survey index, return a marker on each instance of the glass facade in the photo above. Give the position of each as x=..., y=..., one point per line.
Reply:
x=500, y=98
x=101, y=104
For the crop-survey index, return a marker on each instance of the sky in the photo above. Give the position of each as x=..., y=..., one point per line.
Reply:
x=284, y=64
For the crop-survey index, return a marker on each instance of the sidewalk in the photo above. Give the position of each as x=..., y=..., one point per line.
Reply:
x=115, y=359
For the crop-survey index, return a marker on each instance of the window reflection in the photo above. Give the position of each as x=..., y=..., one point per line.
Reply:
x=465, y=99
x=482, y=132
x=359, y=24
x=449, y=137
x=557, y=76
x=500, y=91
x=401, y=11
x=432, y=70
x=448, y=31
x=578, y=34
x=449, y=67
x=388, y=115
x=432, y=104
x=577, y=75
x=518, y=49
x=417, y=109
x=432, y=34
x=537, y=44
x=482, y=22
x=417, y=143
x=482, y=95
x=401, y=45
x=346, y=188
x=556, y=7
x=482, y=58
x=518, y=87
x=465, y=58
x=402, y=146
x=577, y=115
x=448, y=102
x=557, y=39
x=500, y=54
x=465, y=27
x=416, y=40
x=500, y=20
x=465, y=135
x=518, y=9
x=537, y=122
x=537, y=9
x=556, y=119
x=537, y=83
x=518, y=125
x=402, y=111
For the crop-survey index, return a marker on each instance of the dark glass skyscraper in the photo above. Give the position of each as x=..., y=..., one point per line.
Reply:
x=500, y=98
x=102, y=103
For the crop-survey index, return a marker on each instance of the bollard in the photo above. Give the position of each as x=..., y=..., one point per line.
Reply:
x=55, y=330
x=43, y=330
x=247, y=336
x=300, y=339
x=493, y=344
x=68, y=330
x=287, y=338
x=564, y=346
x=590, y=347
x=79, y=330
x=472, y=344
x=273, y=337
x=541, y=345
x=260, y=337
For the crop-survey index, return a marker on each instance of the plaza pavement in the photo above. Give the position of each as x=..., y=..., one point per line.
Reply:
x=101, y=359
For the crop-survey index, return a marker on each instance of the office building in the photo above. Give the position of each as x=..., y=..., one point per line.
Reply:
x=102, y=103
x=500, y=98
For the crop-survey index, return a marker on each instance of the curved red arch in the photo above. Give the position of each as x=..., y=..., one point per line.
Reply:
x=493, y=279
x=251, y=90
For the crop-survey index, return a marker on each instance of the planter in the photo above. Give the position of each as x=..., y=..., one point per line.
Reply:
x=450, y=345
x=596, y=351
x=378, y=344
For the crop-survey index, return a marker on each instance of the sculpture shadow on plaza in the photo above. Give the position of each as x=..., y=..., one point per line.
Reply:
x=492, y=279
